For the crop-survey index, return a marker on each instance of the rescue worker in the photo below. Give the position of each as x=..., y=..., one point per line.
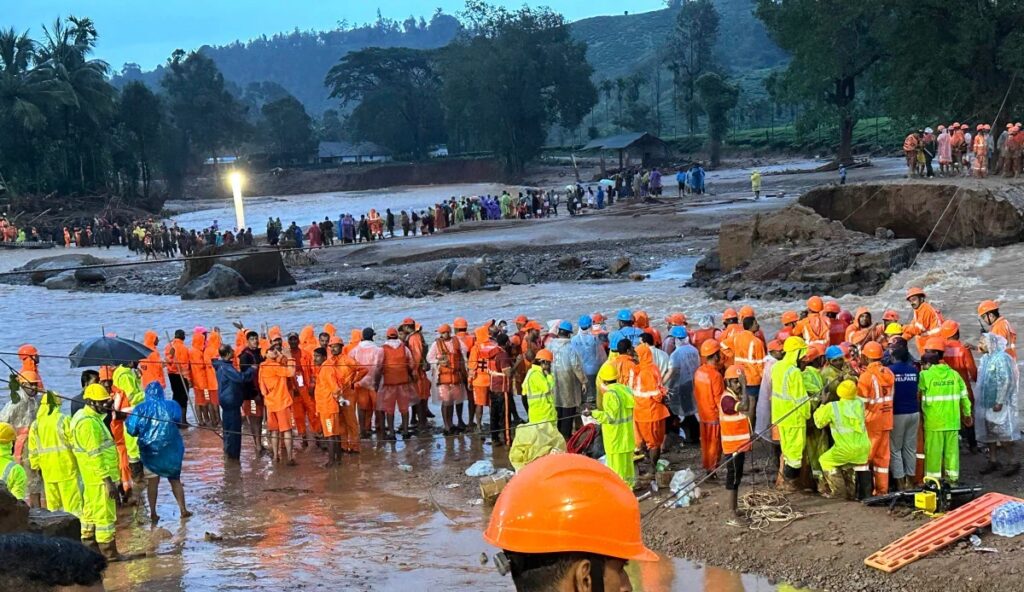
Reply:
x=483, y=349
x=50, y=453
x=958, y=357
x=815, y=326
x=750, y=356
x=863, y=329
x=539, y=389
x=197, y=375
x=127, y=395
x=328, y=405
x=755, y=183
x=397, y=385
x=837, y=327
x=944, y=406
x=412, y=334
x=789, y=321
x=21, y=415
x=927, y=321
x=790, y=410
x=449, y=362
x=905, y=454
x=347, y=375
x=593, y=355
x=708, y=386
x=835, y=371
x=211, y=396
x=97, y=465
x=570, y=380
x=368, y=355
x=733, y=406
x=730, y=327
x=988, y=312
x=302, y=387
x=846, y=420
x=12, y=474
x=176, y=356
x=581, y=543
x=650, y=412
x=816, y=441
x=152, y=367
x=466, y=343
x=252, y=399
x=876, y=384
x=29, y=356
x=273, y=380
x=231, y=386
x=626, y=330
x=616, y=418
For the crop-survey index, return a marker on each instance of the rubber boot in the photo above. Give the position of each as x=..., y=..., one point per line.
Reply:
x=835, y=483
x=734, y=501
x=865, y=484
x=91, y=543
x=109, y=550
x=790, y=479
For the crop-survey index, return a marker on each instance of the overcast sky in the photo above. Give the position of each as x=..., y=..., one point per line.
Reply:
x=146, y=32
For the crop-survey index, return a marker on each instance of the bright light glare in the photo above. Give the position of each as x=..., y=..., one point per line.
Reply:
x=236, y=179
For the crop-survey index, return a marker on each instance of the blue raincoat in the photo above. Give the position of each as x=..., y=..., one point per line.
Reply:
x=155, y=423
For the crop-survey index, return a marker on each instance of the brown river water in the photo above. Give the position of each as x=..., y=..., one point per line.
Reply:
x=367, y=525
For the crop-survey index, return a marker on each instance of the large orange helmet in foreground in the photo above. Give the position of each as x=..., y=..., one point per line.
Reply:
x=564, y=503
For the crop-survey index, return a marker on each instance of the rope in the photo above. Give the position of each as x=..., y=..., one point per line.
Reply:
x=764, y=508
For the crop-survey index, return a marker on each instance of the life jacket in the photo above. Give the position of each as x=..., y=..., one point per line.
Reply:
x=735, y=428
x=450, y=369
x=396, y=367
x=701, y=335
x=499, y=382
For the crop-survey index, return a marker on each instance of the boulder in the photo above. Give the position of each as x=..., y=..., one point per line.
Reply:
x=13, y=512
x=368, y=295
x=64, y=280
x=54, y=524
x=443, y=277
x=519, y=278
x=90, y=276
x=260, y=267
x=468, y=276
x=43, y=269
x=220, y=282
x=618, y=265
x=569, y=262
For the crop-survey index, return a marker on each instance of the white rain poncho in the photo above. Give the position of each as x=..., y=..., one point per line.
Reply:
x=998, y=381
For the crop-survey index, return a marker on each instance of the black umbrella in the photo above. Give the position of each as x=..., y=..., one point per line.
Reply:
x=107, y=351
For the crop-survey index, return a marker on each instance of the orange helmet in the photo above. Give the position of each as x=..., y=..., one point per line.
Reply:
x=915, y=291
x=814, y=352
x=676, y=319
x=27, y=350
x=521, y=320
x=335, y=341
x=30, y=376
x=815, y=304
x=987, y=306
x=597, y=317
x=567, y=502
x=746, y=312
x=460, y=323
x=775, y=345
x=106, y=373
x=949, y=329
x=544, y=355
x=891, y=316
x=936, y=344
x=445, y=328
x=730, y=313
x=833, y=306
x=732, y=372
x=709, y=348
x=790, y=317
x=872, y=350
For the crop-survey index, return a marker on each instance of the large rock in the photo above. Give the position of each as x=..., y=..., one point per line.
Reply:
x=618, y=265
x=794, y=251
x=64, y=280
x=90, y=276
x=260, y=268
x=468, y=276
x=220, y=282
x=443, y=277
x=963, y=213
x=44, y=268
x=13, y=512
x=54, y=524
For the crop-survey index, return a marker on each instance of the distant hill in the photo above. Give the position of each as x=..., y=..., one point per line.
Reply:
x=617, y=46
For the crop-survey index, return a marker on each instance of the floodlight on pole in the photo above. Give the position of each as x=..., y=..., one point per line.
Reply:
x=236, y=179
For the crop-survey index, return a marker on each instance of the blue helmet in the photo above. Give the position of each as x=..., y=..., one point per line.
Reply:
x=679, y=332
x=833, y=352
x=565, y=326
x=585, y=322
x=625, y=315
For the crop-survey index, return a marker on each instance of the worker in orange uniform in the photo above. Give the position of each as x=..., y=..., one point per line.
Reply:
x=466, y=343
x=876, y=385
x=836, y=327
x=303, y=386
x=449, y=362
x=397, y=384
x=708, y=387
x=733, y=407
x=958, y=357
x=368, y=355
x=649, y=411
x=927, y=321
x=988, y=312
x=274, y=377
x=706, y=331
x=152, y=366
x=328, y=404
x=177, y=360
x=581, y=543
x=863, y=330
x=211, y=353
x=815, y=326
x=750, y=357
x=347, y=375
x=642, y=321
x=789, y=321
x=412, y=334
x=198, y=376
x=730, y=327
x=29, y=356
x=483, y=350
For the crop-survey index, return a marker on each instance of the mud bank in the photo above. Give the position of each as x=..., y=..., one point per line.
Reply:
x=351, y=178
x=826, y=549
x=962, y=212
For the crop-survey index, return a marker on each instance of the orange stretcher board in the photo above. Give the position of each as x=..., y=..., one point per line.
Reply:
x=938, y=533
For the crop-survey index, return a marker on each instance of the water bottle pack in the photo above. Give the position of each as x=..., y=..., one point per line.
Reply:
x=1008, y=519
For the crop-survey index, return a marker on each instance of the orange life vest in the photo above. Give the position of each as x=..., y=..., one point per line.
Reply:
x=450, y=369
x=735, y=428
x=396, y=366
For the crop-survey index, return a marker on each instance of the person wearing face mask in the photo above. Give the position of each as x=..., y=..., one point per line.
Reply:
x=97, y=463
x=21, y=415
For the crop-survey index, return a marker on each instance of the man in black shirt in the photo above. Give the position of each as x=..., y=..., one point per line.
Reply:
x=252, y=399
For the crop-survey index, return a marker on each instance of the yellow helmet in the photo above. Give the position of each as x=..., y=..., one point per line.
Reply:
x=894, y=329
x=96, y=392
x=793, y=344
x=608, y=373
x=7, y=433
x=847, y=390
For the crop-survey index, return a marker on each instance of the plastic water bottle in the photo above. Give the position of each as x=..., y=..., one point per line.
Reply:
x=1008, y=519
x=999, y=519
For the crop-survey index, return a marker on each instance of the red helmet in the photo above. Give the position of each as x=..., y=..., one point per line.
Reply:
x=27, y=350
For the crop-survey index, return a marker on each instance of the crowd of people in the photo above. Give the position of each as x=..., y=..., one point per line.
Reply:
x=961, y=153
x=852, y=411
